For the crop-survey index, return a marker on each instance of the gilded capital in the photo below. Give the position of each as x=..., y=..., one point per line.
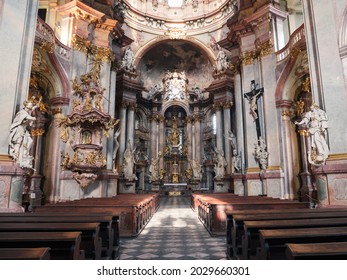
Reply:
x=247, y=58
x=265, y=49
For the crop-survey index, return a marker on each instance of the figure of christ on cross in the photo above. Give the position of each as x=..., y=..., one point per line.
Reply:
x=252, y=97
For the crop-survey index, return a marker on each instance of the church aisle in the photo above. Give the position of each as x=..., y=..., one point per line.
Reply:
x=174, y=233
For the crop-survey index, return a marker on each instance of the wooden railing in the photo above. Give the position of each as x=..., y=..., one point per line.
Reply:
x=46, y=34
x=295, y=39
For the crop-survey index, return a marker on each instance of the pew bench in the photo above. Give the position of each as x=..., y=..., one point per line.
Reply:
x=250, y=238
x=109, y=228
x=273, y=241
x=90, y=240
x=317, y=251
x=64, y=245
x=235, y=222
x=24, y=253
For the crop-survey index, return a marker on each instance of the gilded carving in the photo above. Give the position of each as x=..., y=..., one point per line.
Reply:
x=306, y=85
x=80, y=44
x=37, y=132
x=176, y=33
x=265, y=49
x=247, y=58
x=299, y=107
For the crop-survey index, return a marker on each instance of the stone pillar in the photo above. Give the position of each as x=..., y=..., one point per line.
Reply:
x=51, y=20
x=153, y=138
x=306, y=190
x=161, y=133
x=219, y=133
x=189, y=138
x=287, y=152
x=326, y=72
x=239, y=187
x=227, y=128
x=131, y=124
x=122, y=135
x=193, y=140
x=52, y=182
x=111, y=111
x=17, y=42
x=198, y=140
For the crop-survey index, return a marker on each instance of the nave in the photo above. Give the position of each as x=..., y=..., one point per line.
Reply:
x=174, y=232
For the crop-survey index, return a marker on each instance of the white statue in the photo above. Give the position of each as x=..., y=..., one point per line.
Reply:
x=115, y=149
x=219, y=164
x=197, y=169
x=128, y=60
x=236, y=159
x=20, y=138
x=222, y=62
x=317, y=120
x=129, y=163
x=260, y=153
x=154, y=169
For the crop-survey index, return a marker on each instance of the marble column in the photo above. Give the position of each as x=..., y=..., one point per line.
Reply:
x=189, y=138
x=326, y=72
x=288, y=165
x=306, y=189
x=227, y=128
x=239, y=119
x=219, y=135
x=51, y=20
x=122, y=135
x=198, y=140
x=153, y=138
x=17, y=42
x=111, y=111
x=193, y=141
x=131, y=124
x=161, y=133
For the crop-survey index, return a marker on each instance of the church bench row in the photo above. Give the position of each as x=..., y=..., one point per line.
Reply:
x=63, y=245
x=134, y=210
x=90, y=240
x=238, y=239
x=235, y=222
x=250, y=238
x=25, y=253
x=211, y=210
x=273, y=242
x=317, y=251
x=109, y=225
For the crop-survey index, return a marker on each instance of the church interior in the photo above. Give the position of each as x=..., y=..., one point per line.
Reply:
x=219, y=124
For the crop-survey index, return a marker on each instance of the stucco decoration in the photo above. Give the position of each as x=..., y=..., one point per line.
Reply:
x=179, y=56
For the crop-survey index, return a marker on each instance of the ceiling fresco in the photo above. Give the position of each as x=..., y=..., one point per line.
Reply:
x=179, y=56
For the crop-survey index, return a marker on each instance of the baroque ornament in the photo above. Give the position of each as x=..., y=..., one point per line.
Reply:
x=89, y=123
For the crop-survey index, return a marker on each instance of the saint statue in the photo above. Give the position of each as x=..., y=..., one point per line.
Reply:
x=219, y=165
x=154, y=169
x=115, y=148
x=128, y=60
x=222, y=62
x=129, y=163
x=197, y=169
x=317, y=120
x=20, y=138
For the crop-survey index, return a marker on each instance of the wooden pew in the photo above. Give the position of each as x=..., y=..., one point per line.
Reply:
x=250, y=239
x=273, y=241
x=24, y=253
x=64, y=245
x=317, y=251
x=90, y=241
x=109, y=225
x=236, y=218
x=134, y=210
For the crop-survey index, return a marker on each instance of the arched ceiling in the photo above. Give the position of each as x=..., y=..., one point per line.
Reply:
x=175, y=55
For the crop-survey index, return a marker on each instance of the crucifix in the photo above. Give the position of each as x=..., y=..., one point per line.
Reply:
x=252, y=98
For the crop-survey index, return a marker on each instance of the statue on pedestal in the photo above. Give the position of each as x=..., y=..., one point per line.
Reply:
x=197, y=169
x=317, y=120
x=129, y=163
x=20, y=139
x=219, y=164
x=154, y=169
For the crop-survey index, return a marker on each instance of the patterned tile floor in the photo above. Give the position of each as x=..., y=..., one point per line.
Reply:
x=173, y=233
